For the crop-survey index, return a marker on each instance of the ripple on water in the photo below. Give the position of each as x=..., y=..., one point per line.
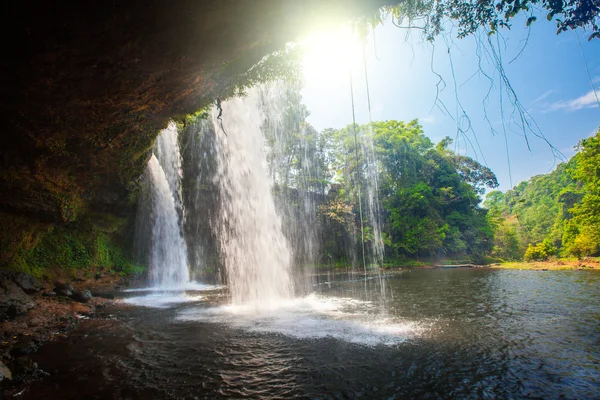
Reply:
x=311, y=317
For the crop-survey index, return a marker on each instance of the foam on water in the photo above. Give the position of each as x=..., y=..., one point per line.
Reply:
x=311, y=317
x=162, y=300
x=192, y=286
x=165, y=297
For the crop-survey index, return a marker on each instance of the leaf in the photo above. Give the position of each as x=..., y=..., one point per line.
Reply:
x=594, y=35
x=530, y=20
x=549, y=17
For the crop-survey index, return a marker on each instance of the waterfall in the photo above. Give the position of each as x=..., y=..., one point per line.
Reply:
x=243, y=189
x=169, y=157
x=159, y=237
x=201, y=200
x=255, y=252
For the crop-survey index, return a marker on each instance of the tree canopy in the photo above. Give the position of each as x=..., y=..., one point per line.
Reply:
x=553, y=214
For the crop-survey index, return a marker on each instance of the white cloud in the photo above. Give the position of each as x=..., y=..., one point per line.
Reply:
x=588, y=100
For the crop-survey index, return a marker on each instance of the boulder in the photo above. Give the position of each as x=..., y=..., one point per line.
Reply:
x=13, y=300
x=4, y=372
x=82, y=296
x=63, y=289
x=28, y=283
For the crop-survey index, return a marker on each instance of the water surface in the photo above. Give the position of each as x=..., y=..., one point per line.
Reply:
x=440, y=334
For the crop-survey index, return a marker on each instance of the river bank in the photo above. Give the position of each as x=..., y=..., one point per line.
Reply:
x=552, y=265
x=34, y=312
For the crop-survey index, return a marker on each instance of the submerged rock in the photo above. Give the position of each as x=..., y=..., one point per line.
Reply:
x=24, y=349
x=13, y=300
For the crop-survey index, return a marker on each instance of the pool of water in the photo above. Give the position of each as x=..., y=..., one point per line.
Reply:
x=454, y=333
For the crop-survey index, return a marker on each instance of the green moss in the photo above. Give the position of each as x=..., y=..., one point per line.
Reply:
x=73, y=249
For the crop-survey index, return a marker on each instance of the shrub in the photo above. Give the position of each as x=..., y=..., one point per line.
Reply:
x=540, y=251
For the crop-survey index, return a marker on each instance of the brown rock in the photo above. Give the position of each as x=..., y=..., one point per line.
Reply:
x=13, y=300
x=4, y=372
x=81, y=308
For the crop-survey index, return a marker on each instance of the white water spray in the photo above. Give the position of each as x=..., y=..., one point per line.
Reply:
x=256, y=254
x=158, y=227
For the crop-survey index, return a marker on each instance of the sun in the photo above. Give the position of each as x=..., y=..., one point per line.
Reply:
x=331, y=55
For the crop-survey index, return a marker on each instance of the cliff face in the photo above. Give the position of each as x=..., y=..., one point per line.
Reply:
x=86, y=86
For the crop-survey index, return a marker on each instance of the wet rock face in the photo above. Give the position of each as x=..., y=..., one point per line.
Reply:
x=13, y=300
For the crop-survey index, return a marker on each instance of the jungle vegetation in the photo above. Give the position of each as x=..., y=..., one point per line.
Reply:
x=429, y=199
x=557, y=214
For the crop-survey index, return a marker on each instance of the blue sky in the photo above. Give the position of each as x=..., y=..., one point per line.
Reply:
x=549, y=77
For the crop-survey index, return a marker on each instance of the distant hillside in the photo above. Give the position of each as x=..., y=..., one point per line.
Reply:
x=554, y=212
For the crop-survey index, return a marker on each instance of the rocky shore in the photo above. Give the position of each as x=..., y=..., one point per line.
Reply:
x=34, y=311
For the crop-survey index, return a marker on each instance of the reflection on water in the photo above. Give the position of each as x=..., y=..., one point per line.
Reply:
x=445, y=334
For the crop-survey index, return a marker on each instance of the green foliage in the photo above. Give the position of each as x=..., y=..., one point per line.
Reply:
x=582, y=232
x=535, y=209
x=429, y=194
x=71, y=249
x=561, y=208
x=282, y=65
x=506, y=241
x=541, y=251
x=469, y=15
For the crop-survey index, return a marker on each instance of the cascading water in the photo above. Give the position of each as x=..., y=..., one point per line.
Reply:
x=242, y=189
x=159, y=237
x=169, y=157
x=255, y=252
x=246, y=192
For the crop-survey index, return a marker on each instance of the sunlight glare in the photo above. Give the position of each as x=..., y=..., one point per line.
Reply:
x=329, y=55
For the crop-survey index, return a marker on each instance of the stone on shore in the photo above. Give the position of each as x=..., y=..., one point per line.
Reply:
x=13, y=300
x=82, y=296
x=63, y=289
x=4, y=372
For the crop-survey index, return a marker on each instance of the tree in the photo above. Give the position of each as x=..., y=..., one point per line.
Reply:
x=470, y=15
x=582, y=238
